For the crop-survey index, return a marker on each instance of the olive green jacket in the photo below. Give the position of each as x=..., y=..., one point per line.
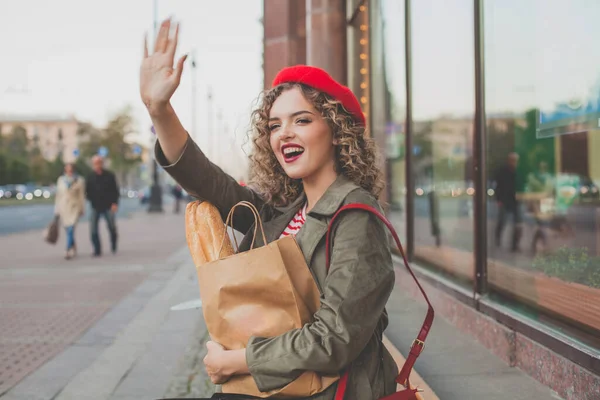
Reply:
x=348, y=328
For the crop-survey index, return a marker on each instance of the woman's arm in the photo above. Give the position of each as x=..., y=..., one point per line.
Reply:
x=170, y=133
x=206, y=181
x=356, y=291
x=158, y=82
x=175, y=150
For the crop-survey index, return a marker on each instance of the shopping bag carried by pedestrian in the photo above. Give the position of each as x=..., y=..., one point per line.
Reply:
x=51, y=233
x=227, y=281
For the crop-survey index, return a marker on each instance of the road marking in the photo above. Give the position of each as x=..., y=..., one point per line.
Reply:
x=188, y=305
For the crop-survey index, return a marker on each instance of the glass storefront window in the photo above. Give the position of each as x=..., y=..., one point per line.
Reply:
x=543, y=114
x=388, y=92
x=443, y=111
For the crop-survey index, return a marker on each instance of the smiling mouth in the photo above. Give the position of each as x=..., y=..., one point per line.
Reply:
x=292, y=153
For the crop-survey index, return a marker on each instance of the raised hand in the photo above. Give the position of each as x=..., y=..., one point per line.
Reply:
x=158, y=78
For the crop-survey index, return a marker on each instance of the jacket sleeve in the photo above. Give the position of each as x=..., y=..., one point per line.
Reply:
x=356, y=290
x=206, y=181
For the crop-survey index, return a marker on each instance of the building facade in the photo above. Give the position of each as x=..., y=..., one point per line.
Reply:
x=488, y=115
x=53, y=135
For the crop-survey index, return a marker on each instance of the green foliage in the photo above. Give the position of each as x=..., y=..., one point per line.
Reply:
x=571, y=264
x=15, y=150
x=21, y=160
x=83, y=167
x=17, y=142
x=113, y=137
x=18, y=171
x=4, y=172
x=531, y=149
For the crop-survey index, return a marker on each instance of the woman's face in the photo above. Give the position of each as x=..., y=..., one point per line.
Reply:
x=300, y=138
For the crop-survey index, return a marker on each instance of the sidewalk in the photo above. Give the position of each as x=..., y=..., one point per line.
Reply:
x=57, y=316
x=454, y=364
x=103, y=329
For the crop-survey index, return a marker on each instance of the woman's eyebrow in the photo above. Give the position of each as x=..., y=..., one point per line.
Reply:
x=293, y=114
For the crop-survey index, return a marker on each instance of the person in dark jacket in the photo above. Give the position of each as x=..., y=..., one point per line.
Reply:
x=103, y=193
x=506, y=198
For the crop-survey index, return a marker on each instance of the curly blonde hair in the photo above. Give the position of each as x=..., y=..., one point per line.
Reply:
x=356, y=154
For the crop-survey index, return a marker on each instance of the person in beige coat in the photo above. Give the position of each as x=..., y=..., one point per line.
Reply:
x=70, y=204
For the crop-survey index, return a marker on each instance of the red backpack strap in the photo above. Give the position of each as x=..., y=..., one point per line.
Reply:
x=419, y=343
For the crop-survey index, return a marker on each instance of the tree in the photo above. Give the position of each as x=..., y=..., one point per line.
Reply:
x=39, y=168
x=17, y=142
x=4, y=173
x=82, y=167
x=531, y=149
x=18, y=171
x=113, y=137
x=56, y=167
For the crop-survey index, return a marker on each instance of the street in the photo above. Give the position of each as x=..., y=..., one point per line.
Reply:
x=23, y=218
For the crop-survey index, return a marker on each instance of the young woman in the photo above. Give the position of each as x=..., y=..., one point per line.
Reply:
x=311, y=156
x=69, y=205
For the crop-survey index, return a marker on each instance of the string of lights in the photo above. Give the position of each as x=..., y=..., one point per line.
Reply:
x=363, y=19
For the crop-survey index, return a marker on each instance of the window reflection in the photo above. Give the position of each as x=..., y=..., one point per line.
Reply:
x=388, y=80
x=543, y=113
x=443, y=109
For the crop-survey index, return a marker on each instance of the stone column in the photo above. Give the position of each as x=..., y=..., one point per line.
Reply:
x=326, y=36
x=284, y=24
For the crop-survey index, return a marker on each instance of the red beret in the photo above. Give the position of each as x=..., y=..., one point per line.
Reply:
x=322, y=81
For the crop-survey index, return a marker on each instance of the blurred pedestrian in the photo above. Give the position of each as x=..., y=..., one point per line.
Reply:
x=177, y=195
x=70, y=204
x=103, y=193
x=506, y=199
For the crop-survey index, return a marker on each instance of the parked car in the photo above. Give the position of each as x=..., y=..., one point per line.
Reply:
x=9, y=192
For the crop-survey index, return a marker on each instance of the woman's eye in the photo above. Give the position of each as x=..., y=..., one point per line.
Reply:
x=303, y=121
x=272, y=127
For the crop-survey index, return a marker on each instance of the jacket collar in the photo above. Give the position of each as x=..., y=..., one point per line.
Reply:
x=329, y=203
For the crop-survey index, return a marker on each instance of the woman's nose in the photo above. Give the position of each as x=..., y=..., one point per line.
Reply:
x=286, y=132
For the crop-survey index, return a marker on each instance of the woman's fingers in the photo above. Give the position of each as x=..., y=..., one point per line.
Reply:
x=172, y=43
x=163, y=36
x=146, y=45
x=179, y=68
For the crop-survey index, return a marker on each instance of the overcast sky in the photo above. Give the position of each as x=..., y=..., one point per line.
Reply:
x=82, y=57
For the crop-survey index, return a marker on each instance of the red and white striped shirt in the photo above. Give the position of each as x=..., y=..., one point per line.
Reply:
x=296, y=223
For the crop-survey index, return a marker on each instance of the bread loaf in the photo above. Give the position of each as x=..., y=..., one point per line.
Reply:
x=204, y=233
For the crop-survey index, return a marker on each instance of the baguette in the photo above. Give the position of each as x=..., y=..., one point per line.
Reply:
x=205, y=232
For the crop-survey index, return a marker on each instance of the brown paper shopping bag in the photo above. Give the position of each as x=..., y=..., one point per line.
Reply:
x=264, y=292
